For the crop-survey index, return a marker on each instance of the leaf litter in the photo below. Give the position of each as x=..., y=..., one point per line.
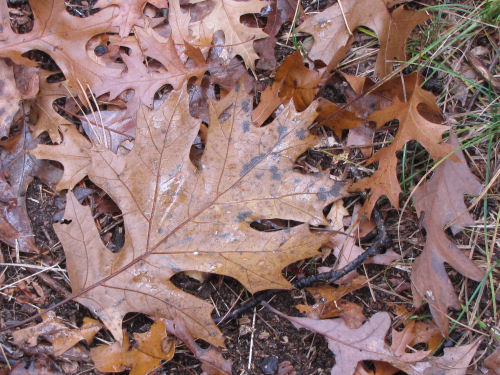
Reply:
x=148, y=80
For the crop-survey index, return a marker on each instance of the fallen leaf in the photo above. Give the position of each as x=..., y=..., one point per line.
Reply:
x=414, y=124
x=212, y=361
x=238, y=39
x=58, y=334
x=9, y=97
x=131, y=12
x=178, y=218
x=351, y=346
x=493, y=363
x=332, y=32
x=293, y=80
x=55, y=26
x=149, y=350
x=441, y=202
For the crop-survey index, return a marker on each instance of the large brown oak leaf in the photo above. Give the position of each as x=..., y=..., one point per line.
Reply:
x=180, y=218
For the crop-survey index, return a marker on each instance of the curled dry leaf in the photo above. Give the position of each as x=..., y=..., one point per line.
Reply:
x=150, y=349
x=332, y=29
x=351, y=346
x=179, y=218
x=419, y=120
x=57, y=333
x=441, y=202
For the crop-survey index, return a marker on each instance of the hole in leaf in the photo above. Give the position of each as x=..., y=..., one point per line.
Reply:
x=20, y=16
x=43, y=59
x=273, y=225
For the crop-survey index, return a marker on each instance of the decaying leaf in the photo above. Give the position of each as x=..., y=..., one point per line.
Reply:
x=130, y=12
x=293, y=80
x=58, y=334
x=178, y=218
x=149, y=350
x=212, y=361
x=238, y=39
x=351, y=346
x=441, y=202
x=55, y=26
x=9, y=97
x=333, y=27
x=329, y=303
x=413, y=107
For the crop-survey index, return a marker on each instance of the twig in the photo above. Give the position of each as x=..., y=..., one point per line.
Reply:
x=382, y=241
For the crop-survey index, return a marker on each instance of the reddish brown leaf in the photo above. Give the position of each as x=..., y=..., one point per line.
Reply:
x=331, y=31
x=413, y=125
x=441, y=201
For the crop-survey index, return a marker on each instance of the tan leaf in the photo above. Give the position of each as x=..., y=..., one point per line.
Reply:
x=225, y=16
x=413, y=125
x=149, y=350
x=441, y=201
x=131, y=12
x=9, y=97
x=178, y=218
x=54, y=26
x=332, y=32
x=493, y=363
x=54, y=331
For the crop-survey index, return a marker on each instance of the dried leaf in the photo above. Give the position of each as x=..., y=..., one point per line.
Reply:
x=212, y=361
x=332, y=32
x=150, y=349
x=225, y=16
x=55, y=26
x=9, y=97
x=441, y=201
x=414, y=124
x=293, y=80
x=351, y=346
x=54, y=331
x=131, y=12
x=177, y=218
x=493, y=363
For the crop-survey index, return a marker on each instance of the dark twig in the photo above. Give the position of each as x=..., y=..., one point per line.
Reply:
x=382, y=241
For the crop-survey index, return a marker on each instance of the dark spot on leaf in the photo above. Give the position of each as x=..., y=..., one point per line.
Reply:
x=252, y=163
x=2, y=85
x=301, y=134
x=246, y=106
x=282, y=130
x=163, y=131
x=246, y=126
x=259, y=176
x=243, y=215
x=324, y=194
x=275, y=173
x=2, y=111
